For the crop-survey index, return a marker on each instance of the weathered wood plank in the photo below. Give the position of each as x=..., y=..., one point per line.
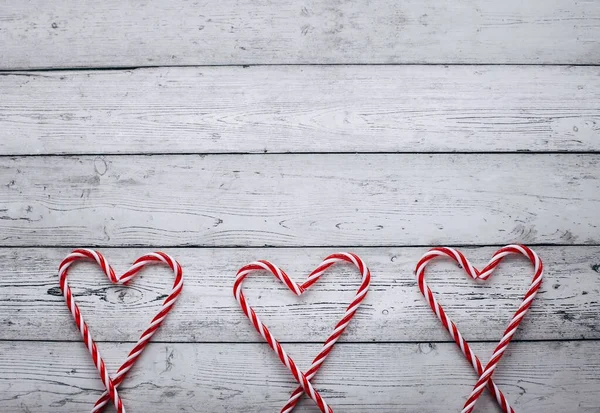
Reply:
x=306, y=109
x=60, y=377
x=300, y=200
x=33, y=308
x=117, y=34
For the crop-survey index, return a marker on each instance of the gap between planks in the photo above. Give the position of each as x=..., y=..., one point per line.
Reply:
x=8, y=72
x=267, y=153
x=339, y=343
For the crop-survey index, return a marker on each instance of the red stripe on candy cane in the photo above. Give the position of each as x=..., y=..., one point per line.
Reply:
x=485, y=374
x=111, y=384
x=304, y=378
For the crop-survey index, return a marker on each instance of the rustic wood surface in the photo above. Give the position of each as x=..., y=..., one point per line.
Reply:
x=300, y=200
x=224, y=132
x=116, y=33
x=567, y=306
x=266, y=109
x=389, y=378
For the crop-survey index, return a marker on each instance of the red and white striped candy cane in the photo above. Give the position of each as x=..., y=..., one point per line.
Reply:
x=111, y=384
x=341, y=325
x=302, y=378
x=485, y=374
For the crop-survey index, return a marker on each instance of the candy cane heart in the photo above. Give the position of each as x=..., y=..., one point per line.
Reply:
x=485, y=374
x=111, y=384
x=303, y=378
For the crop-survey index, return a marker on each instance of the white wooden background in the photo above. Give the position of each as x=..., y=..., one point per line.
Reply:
x=223, y=132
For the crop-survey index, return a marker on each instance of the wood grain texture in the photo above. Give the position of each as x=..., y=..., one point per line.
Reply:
x=261, y=150
x=33, y=308
x=295, y=200
x=302, y=109
x=154, y=33
x=60, y=377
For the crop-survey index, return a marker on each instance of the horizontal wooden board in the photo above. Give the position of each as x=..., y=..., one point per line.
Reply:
x=302, y=109
x=567, y=307
x=116, y=34
x=300, y=200
x=59, y=377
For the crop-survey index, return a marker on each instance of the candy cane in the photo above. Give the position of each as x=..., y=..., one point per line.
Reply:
x=340, y=326
x=484, y=374
x=111, y=384
x=302, y=378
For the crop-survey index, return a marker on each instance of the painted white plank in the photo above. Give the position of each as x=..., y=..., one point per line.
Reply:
x=33, y=308
x=60, y=377
x=300, y=200
x=114, y=33
x=302, y=109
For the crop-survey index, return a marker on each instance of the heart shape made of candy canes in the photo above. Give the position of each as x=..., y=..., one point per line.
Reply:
x=303, y=378
x=112, y=383
x=485, y=374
